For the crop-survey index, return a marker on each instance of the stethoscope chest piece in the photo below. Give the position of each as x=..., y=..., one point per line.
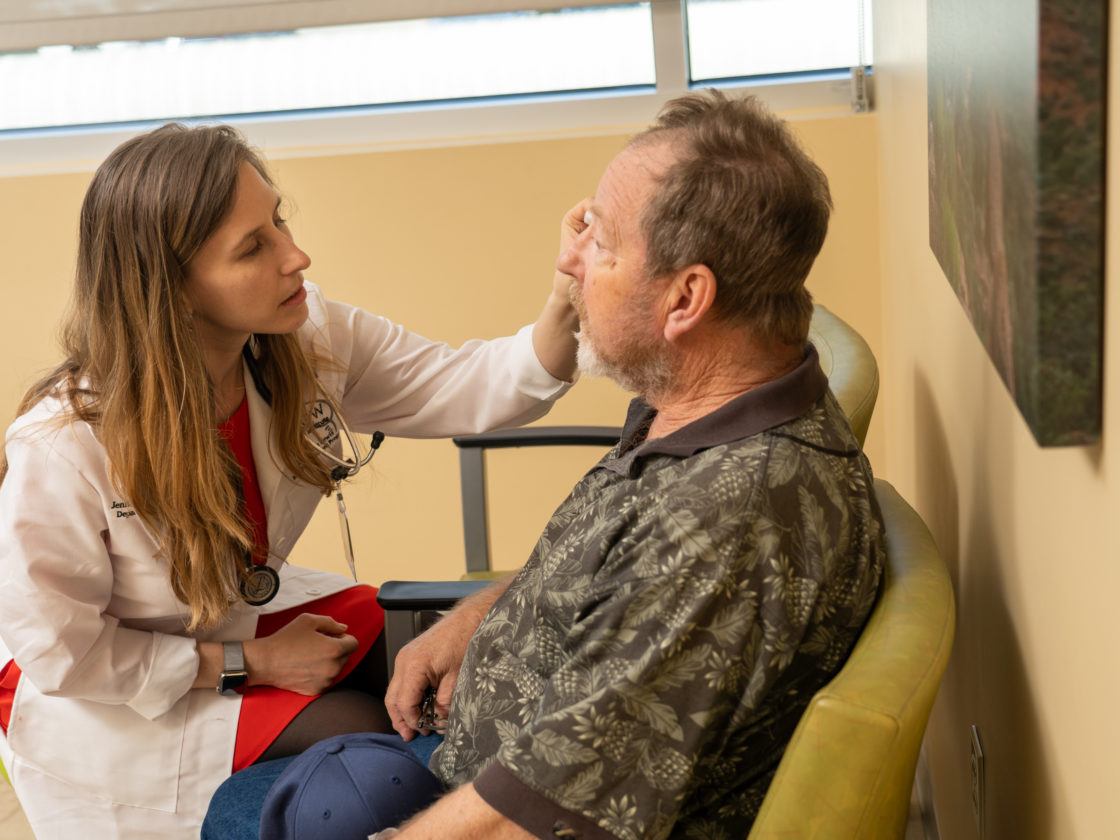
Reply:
x=260, y=585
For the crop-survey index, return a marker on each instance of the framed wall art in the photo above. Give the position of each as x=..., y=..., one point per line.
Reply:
x=1016, y=194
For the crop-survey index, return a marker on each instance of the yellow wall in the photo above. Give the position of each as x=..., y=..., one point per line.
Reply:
x=1029, y=534
x=454, y=243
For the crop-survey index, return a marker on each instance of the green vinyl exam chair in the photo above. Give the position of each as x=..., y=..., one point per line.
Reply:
x=850, y=366
x=849, y=767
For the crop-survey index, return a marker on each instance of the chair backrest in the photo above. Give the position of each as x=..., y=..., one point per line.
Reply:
x=850, y=366
x=849, y=768
x=472, y=478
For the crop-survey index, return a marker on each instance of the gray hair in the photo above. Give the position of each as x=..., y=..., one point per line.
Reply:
x=744, y=199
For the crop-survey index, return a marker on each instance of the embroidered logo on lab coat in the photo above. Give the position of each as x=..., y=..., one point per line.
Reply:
x=324, y=424
x=122, y=510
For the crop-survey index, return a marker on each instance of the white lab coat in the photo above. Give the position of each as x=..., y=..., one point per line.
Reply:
x=107, y=739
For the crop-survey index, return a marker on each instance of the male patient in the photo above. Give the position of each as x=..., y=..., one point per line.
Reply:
x=641, y=675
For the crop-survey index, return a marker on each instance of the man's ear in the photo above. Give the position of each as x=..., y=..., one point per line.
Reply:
x=688, y=298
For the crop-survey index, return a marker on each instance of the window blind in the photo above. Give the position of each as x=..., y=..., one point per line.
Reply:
x=28, y=24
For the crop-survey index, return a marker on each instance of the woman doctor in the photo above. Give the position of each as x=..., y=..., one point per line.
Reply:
x=157, y=479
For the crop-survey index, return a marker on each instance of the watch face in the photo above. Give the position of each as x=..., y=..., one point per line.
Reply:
x=230, y=681
x=260, y=585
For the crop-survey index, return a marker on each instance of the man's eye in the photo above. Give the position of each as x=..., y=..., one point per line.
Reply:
x=279, y=221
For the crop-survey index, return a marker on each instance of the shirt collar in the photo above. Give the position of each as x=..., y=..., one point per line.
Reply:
x=772, y=404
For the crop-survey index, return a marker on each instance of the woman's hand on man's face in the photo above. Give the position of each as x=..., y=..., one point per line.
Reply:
x=571, y=226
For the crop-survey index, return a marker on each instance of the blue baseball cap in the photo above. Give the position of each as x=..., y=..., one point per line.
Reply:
x=348, y=786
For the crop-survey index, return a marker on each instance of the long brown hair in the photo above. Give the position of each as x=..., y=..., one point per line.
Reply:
x=133, y=364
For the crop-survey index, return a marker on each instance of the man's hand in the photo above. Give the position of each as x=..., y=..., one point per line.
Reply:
x=304, y=656
x=433, y=659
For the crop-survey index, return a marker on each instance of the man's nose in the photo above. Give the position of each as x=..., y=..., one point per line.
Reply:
x=570, y=261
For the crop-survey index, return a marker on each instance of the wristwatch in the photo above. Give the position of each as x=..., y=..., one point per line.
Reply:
x=234, y=675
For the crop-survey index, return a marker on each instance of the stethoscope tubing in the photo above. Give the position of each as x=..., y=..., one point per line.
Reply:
x=343, y=468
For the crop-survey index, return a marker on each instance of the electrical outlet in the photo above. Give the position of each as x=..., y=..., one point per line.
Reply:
x=976, y=775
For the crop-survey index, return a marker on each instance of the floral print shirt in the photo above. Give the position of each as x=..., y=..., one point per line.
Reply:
x=644, y=671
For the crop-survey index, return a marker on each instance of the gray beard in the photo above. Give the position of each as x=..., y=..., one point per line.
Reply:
x=649, y=375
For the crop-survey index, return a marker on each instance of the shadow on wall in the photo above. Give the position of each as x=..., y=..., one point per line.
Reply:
x=986, y=682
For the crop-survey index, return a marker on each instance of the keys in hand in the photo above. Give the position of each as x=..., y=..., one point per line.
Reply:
x=428, y=718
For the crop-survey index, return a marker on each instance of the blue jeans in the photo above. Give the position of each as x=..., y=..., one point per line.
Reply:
x=235, y=809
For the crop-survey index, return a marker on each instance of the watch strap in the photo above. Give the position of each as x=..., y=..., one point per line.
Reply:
x=234, y=674
x=233, y=656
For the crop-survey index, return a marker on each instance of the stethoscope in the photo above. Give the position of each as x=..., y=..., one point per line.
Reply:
x=261, y=582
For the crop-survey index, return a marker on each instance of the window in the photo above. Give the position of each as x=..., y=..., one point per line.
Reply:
x=745, y=38
x=79, y=77
x=329, y=67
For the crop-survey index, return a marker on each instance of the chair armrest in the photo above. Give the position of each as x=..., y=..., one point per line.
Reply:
x=542, y=436
x=426, y=595
x=407, y=603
